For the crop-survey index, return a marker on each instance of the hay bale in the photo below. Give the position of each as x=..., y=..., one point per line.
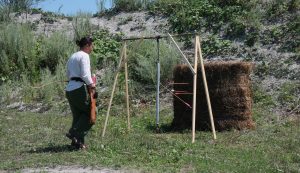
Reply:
x=230, y=93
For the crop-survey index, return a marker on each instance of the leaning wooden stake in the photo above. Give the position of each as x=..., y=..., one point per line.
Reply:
x=126, y=86
x=206, y=89
x=195, y=90
x=113, y=90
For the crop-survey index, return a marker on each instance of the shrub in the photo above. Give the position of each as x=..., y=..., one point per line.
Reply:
x=214, y=45
x=288, y=95
x=106, y=49
x=129, y=5
x=17, y=45
x=53, y=49
x=82, y=25
x=277, y=8
x=236, y=29
x=261, y=97
x=144, y=59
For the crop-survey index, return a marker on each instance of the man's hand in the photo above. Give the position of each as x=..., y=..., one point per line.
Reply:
x=92, y=91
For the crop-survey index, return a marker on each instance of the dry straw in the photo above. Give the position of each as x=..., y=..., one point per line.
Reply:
x=230, y=92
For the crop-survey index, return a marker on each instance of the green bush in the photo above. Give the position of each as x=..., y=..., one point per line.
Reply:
x=9, y=92
x=143, y=61
x=51, y=50
x=17, y=44
x=289, y=95
x=261, y=97
x=82, y=25
x=4, y=14
x=252, y=37
x=214, y=45
x=129, y=5
x=277, y=8
x=106, y=49
x=236, y=29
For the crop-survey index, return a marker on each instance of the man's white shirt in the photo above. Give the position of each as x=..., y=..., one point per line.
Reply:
x=78, y=66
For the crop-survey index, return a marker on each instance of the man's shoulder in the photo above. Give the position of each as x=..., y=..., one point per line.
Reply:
x=79, y=54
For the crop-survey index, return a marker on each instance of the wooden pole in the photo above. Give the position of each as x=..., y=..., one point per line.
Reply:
x=126, y=86
x=113, y=91
x=157, y=88
x=159, y=36
x=195, y=90
x=184, y=57
x=206, y=90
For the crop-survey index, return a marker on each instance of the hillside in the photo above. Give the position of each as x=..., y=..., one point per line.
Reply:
x=129, y=24
x=276, y=70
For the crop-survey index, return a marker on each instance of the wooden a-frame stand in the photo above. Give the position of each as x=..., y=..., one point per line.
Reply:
x=122, y=61
x=198, y=55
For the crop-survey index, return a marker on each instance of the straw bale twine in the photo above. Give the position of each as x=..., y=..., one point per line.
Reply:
x=230, y=93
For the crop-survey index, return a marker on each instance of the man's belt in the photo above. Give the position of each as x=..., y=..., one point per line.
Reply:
x=78, y=79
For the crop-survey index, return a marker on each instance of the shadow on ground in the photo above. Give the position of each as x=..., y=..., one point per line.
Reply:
x=53, y=149
x=165, y=128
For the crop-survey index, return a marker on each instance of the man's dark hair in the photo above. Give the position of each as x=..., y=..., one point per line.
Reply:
x=84, y=41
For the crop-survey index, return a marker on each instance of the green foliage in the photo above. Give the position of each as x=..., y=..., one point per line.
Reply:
x=277, y=8
x=18, y=5
x=49, y=90
x=49, y=17
x=236, y=28
x=18, y=52
x=252, y=37
x=125, y=20
x=121, y=6
x=126, y=5
x=8, y=92
x=27, y=92
x=52, y=50
x=129, y=5
x=284, y=35
x=290, y=35
x=261, y=97
x=143, y=61
x=82, y=25
x=289, y=95
x=214, y=45
x=11, y=6
x=242, y=20
x=293, y=5
x=4, y=14
x=106, y=49
x=36, y=11
x=165, y=6
x=22, y=53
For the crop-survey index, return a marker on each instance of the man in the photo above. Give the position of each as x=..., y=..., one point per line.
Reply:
x=77, y=92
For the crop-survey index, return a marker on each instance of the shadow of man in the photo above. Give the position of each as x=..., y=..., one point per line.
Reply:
x=53, y=149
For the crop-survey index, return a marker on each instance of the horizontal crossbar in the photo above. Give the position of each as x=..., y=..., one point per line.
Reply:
x=160, y=36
